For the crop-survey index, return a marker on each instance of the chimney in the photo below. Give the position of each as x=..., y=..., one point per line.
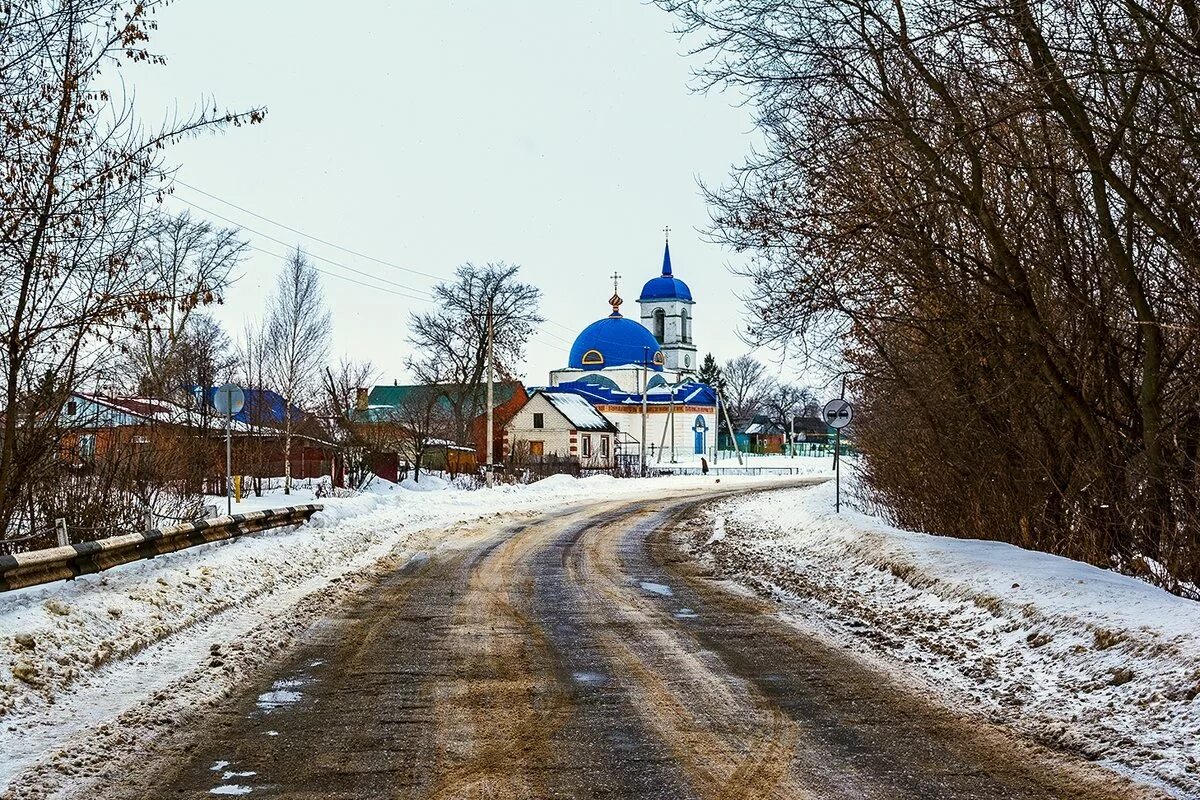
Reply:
x=360, y=399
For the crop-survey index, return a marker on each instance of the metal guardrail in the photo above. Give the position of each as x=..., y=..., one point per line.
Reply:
x=63, y=563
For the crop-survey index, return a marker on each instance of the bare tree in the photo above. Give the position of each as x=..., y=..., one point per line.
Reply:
x=988, y=209
x=340, y=407
x=79, y=173
x=745, y=380
x=782, y=402
x=425, y=422
x=189, y=261
x=451, y=341
x=298, y=328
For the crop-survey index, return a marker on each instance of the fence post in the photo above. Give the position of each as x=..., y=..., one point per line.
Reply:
x=60, y=527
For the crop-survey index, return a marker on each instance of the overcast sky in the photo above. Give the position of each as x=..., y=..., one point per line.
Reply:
x=561, y=136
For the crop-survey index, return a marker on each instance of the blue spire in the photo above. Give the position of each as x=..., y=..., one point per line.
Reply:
x=666, y=260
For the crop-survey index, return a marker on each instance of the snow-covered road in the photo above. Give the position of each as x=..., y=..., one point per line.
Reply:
x=1077, y=657
x=142, y=642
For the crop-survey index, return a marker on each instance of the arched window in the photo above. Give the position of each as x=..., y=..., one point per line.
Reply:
x=660, y=324
x=593, y=357
x=685, y=325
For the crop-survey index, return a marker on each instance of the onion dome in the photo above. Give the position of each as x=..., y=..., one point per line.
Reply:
x=615, y=341
x=666, y=286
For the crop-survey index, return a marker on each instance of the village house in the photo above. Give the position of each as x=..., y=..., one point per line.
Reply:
x=561, y=427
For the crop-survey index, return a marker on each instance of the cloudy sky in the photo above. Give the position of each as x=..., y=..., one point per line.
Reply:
x=561, y=136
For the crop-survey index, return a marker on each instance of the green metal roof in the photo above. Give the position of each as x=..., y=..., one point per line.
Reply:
x=386, y=397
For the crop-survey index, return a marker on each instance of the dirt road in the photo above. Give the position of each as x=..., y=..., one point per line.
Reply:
x=581, y=657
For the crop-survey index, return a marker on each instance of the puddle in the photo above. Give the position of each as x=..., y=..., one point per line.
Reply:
x=217, y=765
x=686, y=613
x=657, y=588
x=590, y=678
x=231, y=788
x=269, y=701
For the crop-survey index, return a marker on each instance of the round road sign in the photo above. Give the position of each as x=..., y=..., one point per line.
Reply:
x=229, y=399
x=837, y=413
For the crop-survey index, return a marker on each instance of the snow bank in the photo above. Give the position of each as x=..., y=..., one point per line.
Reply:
x=75, y=655
x=1076, y=656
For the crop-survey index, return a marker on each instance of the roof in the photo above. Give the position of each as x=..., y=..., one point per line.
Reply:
x=385, y=398
x=614, y=341
x=690, y=393
x=666, y=286
x=578, y=411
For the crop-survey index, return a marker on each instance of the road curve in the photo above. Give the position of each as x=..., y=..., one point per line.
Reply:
x=582, y=656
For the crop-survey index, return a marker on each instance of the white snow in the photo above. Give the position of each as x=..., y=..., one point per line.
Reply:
x=104, y=660
x=578, y=411
x=1072, y=655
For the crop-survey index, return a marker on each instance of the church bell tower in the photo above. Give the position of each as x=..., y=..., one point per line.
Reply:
x=666, y=311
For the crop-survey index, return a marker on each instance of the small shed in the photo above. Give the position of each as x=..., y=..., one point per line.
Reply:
x=560, y=426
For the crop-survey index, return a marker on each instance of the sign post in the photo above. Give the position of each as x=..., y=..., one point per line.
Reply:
x=229, y=400
x=837, y=414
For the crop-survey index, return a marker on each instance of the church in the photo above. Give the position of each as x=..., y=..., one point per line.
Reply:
x=639, y=375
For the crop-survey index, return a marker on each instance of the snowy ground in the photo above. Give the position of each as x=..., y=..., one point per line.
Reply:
x=100, y=663
x=1074, y=656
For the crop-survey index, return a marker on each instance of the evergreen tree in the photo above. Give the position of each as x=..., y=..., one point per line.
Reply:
x=710, y=373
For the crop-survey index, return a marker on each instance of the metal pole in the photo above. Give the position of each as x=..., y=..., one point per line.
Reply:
x=645, y=392
x=491, y=354
x=732, y=434
x=229, y=456
x=673, y=424
x=837, y=471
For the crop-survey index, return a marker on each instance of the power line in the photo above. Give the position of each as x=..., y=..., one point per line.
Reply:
x=426, y=296
x=309, y=235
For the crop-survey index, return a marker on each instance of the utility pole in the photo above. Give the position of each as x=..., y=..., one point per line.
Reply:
x=645, y=391
x=673, y=424
x=491, y=421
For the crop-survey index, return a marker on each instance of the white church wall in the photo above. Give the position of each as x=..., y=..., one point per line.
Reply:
x=629, y=420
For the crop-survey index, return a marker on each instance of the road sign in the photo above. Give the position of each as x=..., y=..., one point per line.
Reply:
x=229, y=399
x=838, y=413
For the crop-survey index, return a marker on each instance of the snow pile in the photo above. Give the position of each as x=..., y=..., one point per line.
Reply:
x=1078, y=657
x=76, y=655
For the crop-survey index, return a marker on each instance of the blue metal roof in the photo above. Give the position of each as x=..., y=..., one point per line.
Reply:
x=666, y=286
x=618, y=341
x=691, y=393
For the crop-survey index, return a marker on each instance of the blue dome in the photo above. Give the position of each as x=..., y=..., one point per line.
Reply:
x=665, y=286
x=613, y=342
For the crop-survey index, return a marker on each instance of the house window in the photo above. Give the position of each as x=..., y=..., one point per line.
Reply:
x=537, y=448
x=604, y=447
x=587, y=447
x=660, y=324
x=71, y=408
x=539, y=420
